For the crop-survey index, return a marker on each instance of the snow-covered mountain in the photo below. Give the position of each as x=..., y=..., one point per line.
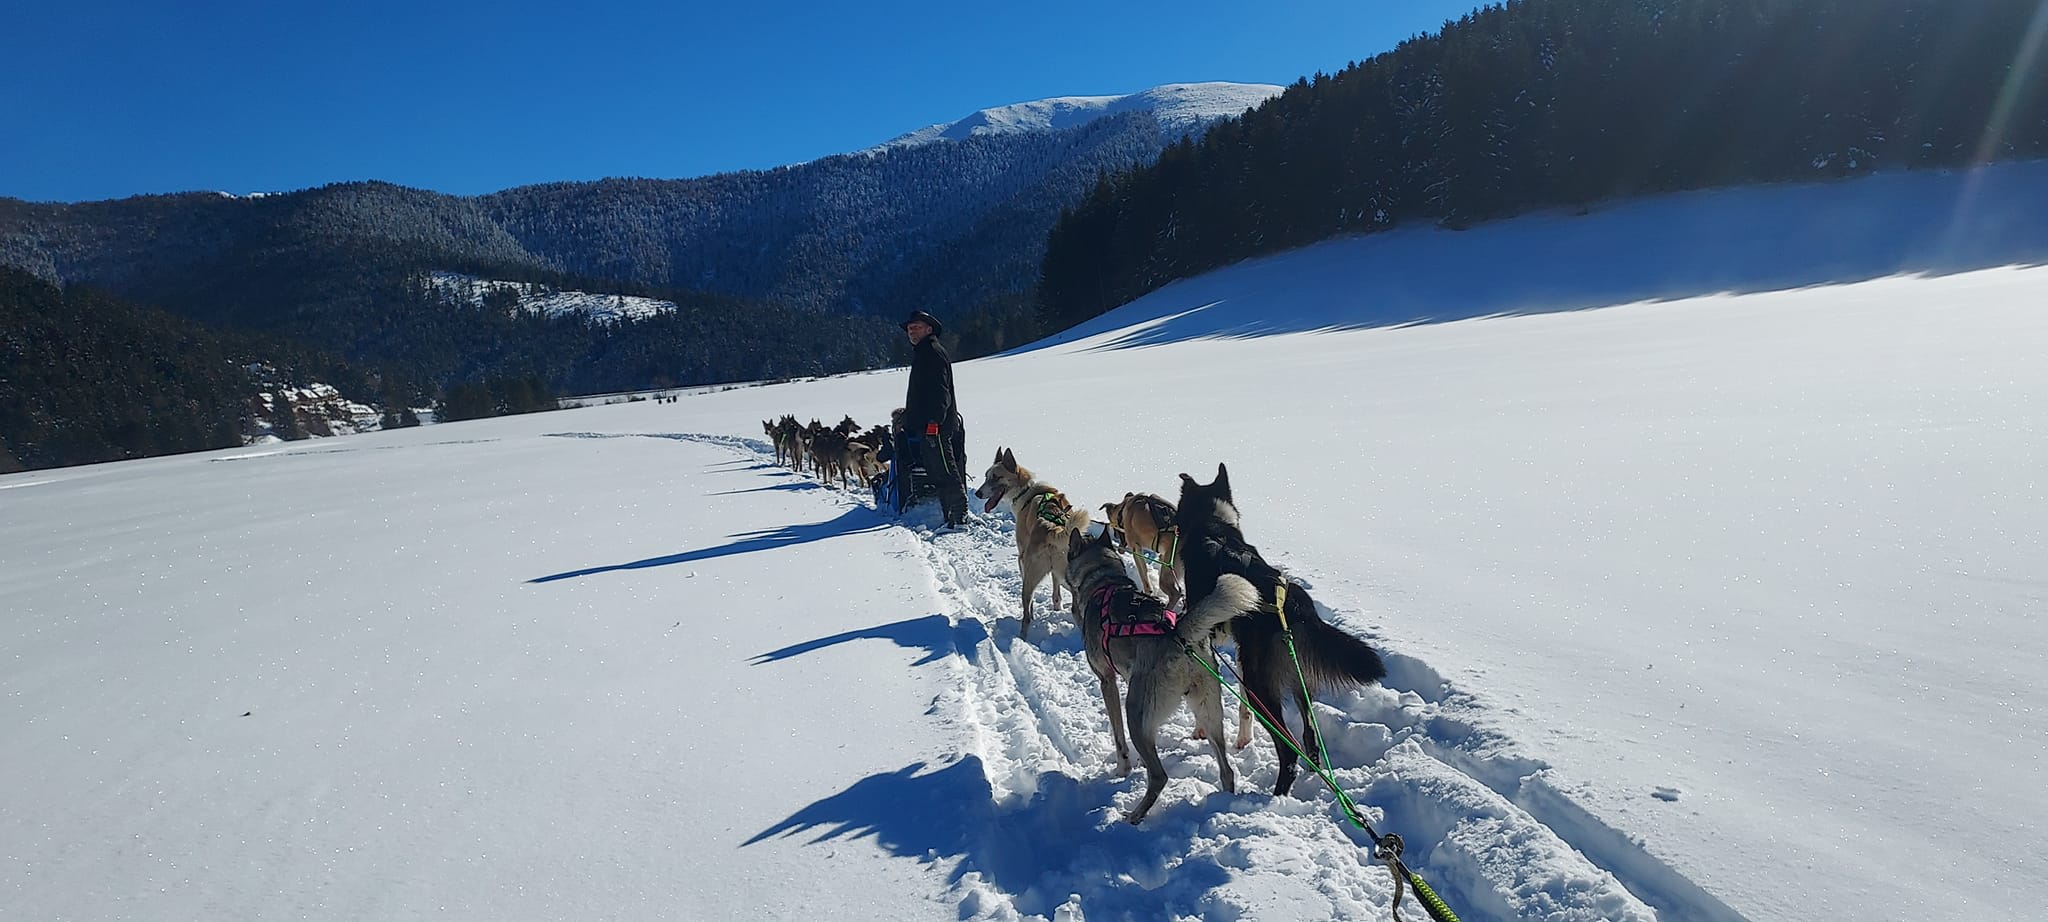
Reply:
x=1181, y=108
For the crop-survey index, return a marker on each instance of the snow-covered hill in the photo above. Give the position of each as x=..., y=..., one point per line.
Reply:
x=322, y=411
x=1181, y=108
x=540, y=299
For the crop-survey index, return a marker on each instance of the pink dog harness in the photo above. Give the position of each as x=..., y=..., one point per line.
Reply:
x=1124, y=615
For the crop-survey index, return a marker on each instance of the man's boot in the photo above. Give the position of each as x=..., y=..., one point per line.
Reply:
x=945, y=477
x=954, y=501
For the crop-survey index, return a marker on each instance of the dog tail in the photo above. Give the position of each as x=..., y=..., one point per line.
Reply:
x=1330, y=658
x=1234, y=596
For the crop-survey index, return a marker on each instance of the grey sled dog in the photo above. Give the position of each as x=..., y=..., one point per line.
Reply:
x=1159, y=671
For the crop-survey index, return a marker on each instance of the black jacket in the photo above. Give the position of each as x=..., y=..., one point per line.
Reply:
x=930, y=398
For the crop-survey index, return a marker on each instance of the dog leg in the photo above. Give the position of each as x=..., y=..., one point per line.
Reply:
x=1244, y=724
x=1033, y=571
x=1116, y=723
x=1268, y=691
x=1144, y=576
x=1206, y=701
x=1169, y=580
x=1308, y=724
x=1145, y=738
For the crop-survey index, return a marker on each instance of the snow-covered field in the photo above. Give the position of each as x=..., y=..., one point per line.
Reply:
x=1723, y=606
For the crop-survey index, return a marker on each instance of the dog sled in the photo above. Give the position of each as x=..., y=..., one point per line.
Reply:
x=902, y=485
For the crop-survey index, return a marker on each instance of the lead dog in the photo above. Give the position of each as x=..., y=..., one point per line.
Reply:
x=1044, y=520
x=1145, y=523
x=1128, y=632
x=1213, y=548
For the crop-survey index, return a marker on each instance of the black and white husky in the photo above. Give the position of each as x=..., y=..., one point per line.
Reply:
x=1129, y=632
x=1213, y=550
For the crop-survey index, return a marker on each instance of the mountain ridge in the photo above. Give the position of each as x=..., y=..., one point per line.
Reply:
x=1181, y=108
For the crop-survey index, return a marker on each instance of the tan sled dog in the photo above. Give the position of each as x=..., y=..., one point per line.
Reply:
x=1044, y=520
x=1145, y=524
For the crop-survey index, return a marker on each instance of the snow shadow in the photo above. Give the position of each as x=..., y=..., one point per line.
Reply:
x=934, y=634
x=1741, y=240
x=910, y=812
x=852, y=521
x=794, y=486
x=1036, y=850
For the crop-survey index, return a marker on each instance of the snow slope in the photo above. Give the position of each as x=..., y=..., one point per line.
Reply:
x=1181, y=108
x=1720, y=606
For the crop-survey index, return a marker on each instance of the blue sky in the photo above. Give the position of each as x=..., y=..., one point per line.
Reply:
x=104, y=100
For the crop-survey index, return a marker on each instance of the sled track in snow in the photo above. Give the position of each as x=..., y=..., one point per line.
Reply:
x=1482, y=823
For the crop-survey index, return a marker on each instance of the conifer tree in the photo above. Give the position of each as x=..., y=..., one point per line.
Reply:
x=284, y=418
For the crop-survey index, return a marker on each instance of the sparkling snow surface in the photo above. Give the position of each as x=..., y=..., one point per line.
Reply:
x=1703, y=537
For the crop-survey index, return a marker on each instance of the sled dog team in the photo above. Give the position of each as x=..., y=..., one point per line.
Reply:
x=1213, y=580
x=1128, y=633
x=843, y=452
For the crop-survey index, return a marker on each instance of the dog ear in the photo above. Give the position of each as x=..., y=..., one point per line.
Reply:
x=1189, y=481
x=1008, y=459
x=1222, y=483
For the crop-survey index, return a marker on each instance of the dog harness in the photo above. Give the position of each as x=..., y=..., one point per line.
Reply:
x=1053, y=508
x=1161, y=511
x=1126, y=612
x=1151, y=554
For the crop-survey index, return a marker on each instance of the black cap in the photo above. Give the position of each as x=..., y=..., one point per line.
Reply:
x=928, y=319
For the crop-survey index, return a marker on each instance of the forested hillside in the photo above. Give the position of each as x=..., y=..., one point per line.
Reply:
x=1547, y=103
x=86, y=377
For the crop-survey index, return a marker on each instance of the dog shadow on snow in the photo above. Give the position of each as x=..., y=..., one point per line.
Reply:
x=1037, y=849
x=934, y=634
x=794, y=486
x=852, y=521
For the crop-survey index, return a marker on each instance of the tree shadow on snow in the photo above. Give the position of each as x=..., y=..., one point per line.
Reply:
x=854, y=520
x=1665, y=248
x=1036, y=849
x=933, y=634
